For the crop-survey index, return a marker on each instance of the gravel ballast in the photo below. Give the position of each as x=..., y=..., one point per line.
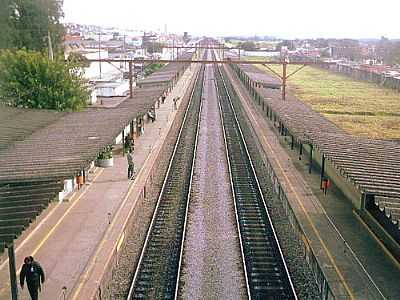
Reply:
x=212, y=263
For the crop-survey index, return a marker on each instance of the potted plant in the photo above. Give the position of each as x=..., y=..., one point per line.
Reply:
x=105, y=158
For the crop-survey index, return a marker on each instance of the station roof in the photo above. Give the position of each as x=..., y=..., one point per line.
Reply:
x=16, y=124
x=257, y=75
x=41, y=148
x=371, y=165
x=167, y=74
x=38, y=144
x=67, y=145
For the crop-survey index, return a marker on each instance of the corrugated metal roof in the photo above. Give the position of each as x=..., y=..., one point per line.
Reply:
x=372, y=166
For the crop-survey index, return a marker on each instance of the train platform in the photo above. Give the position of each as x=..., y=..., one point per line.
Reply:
x=72, y=239
x=355, y=263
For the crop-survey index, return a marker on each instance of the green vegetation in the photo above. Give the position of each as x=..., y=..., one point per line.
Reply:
x=248, y=45
x=107, y=153
x=154, y=47
x=359, y=107
x=152, y=68
x=27, y=24
x=29, y=79
x=263, y=58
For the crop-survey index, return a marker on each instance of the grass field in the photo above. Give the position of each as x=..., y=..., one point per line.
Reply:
x=360, y=108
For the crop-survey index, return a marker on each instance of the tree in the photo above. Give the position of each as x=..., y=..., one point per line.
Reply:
x=32, y=20
x=392, y=56
x=286, y=43
x=152, y=68
x=29, y=79
x=154, y=47
x=6, y=31
x=248, y=46
x=79, y=60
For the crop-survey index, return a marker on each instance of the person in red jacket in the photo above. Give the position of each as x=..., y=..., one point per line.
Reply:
x=33, y=272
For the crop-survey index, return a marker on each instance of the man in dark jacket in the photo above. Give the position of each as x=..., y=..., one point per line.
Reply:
x=33, y=272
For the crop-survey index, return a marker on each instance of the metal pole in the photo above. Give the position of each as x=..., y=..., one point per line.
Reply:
x=13, y=272
x=130, y=80
x=123, y=142
x=124, y=52
x=322, y=169
x=173, y=48
x=100, y=53
x=284, y=80
x=310, y=166
x=301, y=151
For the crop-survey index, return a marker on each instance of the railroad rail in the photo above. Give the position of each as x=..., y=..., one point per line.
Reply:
x=266, y=273
x=157, y=272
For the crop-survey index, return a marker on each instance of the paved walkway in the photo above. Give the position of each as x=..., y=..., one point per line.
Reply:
x=383, y=268
x=65, y=240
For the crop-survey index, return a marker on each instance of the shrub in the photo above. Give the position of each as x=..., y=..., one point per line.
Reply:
x=29, y=79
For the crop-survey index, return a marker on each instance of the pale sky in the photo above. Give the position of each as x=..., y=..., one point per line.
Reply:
x=282, y=18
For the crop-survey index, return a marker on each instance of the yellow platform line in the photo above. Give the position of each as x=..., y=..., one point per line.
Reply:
x=115, y=218
x=47, y=236
x=63, y=216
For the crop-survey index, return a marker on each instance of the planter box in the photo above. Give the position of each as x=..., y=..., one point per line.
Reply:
x=105, y=163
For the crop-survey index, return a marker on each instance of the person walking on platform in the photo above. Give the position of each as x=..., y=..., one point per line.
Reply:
x=33, y=272
x=131, y=166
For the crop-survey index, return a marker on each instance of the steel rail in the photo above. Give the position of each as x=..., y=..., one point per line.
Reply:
x=188, y=197
x=258, y=287
x=234, y=200
x=163, y=191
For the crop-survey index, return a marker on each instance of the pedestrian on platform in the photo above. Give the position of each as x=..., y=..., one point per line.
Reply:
x=127, y=143
x=175, y=100
x=132, y=143
x=163, y=98
x=151, y=116
x=33, y=272
x=131, y=167
x=326, y=184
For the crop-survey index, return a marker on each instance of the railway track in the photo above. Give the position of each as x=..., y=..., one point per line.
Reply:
x=157, y=272
x=267, y=276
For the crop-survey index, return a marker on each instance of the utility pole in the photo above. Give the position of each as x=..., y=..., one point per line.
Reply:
x=284, y=65
x=124, y=52
x=13, y=271
x=51, y=54
x=173, y=49
x=100, y=53
x=130, y=80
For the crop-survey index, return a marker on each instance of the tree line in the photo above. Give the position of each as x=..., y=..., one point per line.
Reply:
x=28, y=23
x=31, y=76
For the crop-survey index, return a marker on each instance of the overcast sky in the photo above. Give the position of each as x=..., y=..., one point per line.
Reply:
x=282, y=18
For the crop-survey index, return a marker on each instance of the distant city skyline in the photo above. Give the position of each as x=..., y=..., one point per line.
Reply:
x=295, y=19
